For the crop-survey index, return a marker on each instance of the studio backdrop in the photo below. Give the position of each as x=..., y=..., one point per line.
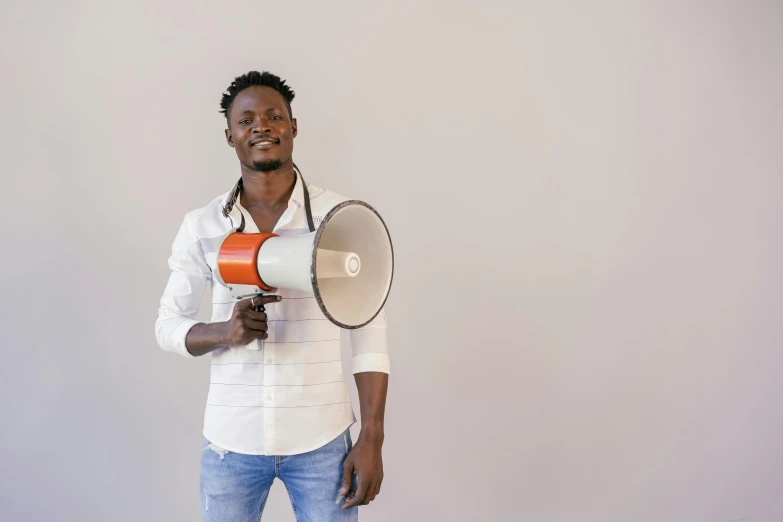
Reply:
x=585, y=202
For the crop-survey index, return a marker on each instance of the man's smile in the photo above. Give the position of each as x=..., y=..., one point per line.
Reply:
x=263, y=143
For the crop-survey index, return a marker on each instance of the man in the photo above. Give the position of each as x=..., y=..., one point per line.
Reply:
x=277, y=403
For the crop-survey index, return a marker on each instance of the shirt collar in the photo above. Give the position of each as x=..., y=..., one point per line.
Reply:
x=297, y=198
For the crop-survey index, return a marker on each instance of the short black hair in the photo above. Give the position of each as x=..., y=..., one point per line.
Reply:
x=265, y=79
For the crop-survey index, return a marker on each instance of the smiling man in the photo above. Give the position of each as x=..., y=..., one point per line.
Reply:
x=277, y=406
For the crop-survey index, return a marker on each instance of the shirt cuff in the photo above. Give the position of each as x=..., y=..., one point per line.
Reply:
x=371, y=362
x=179, y=334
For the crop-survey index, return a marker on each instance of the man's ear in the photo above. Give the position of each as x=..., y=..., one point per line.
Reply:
x=229, y=138
x=293, y=127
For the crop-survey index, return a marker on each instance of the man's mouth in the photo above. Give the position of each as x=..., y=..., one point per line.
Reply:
x=263, y=143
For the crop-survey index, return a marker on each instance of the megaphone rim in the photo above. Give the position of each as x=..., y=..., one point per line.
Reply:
x=316, y=242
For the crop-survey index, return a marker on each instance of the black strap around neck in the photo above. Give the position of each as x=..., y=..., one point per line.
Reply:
x=308, y=212
x=238, y=190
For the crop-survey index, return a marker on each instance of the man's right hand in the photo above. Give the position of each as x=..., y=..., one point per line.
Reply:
x=246, y=324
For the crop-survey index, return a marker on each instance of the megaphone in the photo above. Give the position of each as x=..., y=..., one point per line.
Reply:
x=346, y=264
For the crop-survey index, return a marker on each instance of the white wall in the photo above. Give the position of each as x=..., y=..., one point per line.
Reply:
x=585, y=203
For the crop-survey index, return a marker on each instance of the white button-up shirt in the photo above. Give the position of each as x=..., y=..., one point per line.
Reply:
x=288, y=395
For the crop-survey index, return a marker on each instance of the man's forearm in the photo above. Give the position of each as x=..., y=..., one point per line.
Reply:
x=372, y=387
x=203, y=338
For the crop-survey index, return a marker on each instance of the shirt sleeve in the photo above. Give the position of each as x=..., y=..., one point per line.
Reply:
x=182, y=297
x=368, y=346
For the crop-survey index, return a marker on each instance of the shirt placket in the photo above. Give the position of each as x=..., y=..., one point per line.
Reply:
x=270, y=435
x=271, y=393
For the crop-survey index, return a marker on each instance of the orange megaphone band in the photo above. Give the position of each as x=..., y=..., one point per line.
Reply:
x=237, y=259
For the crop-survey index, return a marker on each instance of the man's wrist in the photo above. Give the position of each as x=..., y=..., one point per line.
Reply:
x=205, y=337
x=372, y=431
x=223, y=329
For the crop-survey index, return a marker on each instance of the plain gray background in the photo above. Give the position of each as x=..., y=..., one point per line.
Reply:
x=585, y=203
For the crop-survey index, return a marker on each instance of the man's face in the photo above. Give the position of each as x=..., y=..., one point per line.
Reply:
x=260, y=129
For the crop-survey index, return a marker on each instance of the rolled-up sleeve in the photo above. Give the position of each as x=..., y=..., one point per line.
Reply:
x=368, y=346
x=182, y=297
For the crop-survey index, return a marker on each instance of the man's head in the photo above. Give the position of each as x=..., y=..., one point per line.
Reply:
x=261, y=126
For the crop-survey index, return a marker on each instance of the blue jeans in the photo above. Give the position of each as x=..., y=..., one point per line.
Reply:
x=234, y=487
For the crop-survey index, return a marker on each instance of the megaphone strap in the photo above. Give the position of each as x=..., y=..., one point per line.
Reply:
x=308, y=212
x=237, y=190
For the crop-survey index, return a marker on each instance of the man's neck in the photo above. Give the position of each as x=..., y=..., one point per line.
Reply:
x=267, y=189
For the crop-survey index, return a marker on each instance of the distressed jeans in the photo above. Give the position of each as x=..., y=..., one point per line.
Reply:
x=234, y=487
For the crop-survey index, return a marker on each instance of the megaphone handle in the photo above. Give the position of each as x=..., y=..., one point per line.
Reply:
x=259, y=308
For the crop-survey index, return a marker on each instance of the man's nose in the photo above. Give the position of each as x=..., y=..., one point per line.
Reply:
x=262, y=125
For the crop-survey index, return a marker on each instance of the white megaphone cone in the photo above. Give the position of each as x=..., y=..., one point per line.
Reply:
x=347, y=264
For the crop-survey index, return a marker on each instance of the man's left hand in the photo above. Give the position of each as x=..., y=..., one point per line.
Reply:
x=366, y=462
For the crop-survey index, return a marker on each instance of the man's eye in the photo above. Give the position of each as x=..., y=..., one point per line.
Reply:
x=278, y=117
x=242, y=122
